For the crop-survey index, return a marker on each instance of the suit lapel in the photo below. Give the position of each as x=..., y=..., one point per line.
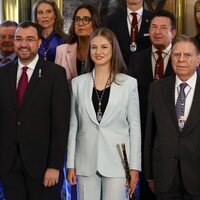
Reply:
x=195, y=108
x=169, y=70
x=148, y=66
x=36, y=76
x=12, y=82
x=71, y=59
x=144, y=24
x=144, y=66
x=169, y=97
x=112, y=101
x=88, y=98
x=123, y=29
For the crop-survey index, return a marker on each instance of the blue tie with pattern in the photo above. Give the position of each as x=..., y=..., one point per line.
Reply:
x=180, y=105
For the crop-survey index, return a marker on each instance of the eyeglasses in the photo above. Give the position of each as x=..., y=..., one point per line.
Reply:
x=27, y=40
x=85, y=20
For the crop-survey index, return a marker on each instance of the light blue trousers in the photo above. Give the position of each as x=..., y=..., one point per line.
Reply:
x=98, y=187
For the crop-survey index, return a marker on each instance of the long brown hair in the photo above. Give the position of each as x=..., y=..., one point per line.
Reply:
x=117, y=63
x=58, y=25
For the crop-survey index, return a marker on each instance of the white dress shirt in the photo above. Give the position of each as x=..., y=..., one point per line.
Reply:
x=189, y=91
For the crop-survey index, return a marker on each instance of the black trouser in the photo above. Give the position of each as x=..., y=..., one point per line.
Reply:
x=177, y=190
x=18, y=185
x=145, y=191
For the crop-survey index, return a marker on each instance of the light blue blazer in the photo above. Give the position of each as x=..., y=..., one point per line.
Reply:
x=92, y=145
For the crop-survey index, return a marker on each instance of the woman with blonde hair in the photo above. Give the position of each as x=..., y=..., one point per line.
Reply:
x=47, y=14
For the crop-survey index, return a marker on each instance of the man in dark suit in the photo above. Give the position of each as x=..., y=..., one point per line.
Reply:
x=120, y=22
x=172, y=143
x=34, y=123
x=142, y=67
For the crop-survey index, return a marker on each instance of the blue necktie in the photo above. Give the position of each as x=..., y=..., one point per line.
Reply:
x=180, y=105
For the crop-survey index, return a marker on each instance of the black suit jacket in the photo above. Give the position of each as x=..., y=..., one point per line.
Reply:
x=140, y=67
x=40, y=126
x=117, y=22
x=165, y=145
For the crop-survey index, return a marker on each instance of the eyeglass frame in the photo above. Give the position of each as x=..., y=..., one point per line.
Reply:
x=82, y=19
x=27, y=40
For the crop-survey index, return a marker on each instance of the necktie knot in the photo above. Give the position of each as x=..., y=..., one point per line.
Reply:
x=182, y=88
x=24, y=69
x=134, y=14
x=159, y=53
x=183, y=85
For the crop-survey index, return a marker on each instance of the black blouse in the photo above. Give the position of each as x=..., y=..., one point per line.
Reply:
x=104, y=99
x=80, y=67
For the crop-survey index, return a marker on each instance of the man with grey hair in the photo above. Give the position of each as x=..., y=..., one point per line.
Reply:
x=172, y=142
x=7, y=31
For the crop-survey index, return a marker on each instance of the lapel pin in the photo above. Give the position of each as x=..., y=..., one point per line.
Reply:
x=40, y=73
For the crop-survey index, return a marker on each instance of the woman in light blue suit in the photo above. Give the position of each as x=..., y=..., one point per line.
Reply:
x=105, y=112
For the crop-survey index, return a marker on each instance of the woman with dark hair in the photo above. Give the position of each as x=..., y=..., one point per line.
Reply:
x=47, y=15
x=72, y=55
x=197, y=20
x=104, y=113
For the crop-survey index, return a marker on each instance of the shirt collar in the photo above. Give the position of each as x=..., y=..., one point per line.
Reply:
x=11, y=56
x=31, y=65
x=191, y=81
x=139, y=12
x=166, y=51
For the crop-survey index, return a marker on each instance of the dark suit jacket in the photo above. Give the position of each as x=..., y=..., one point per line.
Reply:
x=140, y=67
x=165, y=145
x=40, y=126
x=117, y=22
